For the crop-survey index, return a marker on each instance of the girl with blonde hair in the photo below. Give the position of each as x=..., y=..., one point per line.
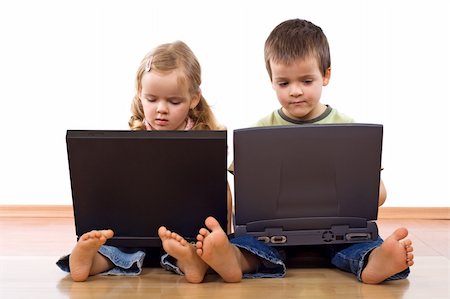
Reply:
x=168, y=97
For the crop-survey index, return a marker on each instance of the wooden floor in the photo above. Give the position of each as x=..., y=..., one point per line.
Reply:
x=29, y=248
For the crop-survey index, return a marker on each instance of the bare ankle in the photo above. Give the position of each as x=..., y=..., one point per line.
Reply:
x=249, y=262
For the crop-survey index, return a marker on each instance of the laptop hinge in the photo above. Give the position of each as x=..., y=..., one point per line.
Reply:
x=287, y=224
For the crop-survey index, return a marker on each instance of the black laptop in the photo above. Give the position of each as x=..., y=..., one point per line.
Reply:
x=135, y=181
x=308, y=184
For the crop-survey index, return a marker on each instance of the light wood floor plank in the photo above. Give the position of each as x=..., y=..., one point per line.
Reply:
x=29, y=248
x=43, y=280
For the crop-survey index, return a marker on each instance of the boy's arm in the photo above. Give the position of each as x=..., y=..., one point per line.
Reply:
x=382, y=195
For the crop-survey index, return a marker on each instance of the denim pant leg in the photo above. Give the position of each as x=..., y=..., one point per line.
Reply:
x=169, y=263
x=127, y=261
x=271, y=263
x=353, y=258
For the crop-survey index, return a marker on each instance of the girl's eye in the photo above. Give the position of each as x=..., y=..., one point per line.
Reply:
x=151, y=100
x=175, y=101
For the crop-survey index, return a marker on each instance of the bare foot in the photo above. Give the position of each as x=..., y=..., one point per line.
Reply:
x=392, y=257
x=85, y=259
x=214, y=248
x=193, y=267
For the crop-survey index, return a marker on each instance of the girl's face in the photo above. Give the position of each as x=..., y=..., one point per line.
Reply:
x=165, y=101
x=299, y=86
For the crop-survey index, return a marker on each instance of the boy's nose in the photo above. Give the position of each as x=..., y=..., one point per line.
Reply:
x=295, y=91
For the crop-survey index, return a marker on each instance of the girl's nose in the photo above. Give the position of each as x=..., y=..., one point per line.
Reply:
x=162, y=107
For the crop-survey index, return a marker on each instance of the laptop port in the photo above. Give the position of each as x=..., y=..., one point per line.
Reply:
x=278, y=239
x=264, y=239
x=328, y=236
x=357, y=236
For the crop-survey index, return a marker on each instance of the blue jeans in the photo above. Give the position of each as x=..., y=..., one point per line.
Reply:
x=127, y=261
x=347, y=257
x=271, y=263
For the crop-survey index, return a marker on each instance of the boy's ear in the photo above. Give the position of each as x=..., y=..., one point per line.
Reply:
x=196, y=99
x=326, y=78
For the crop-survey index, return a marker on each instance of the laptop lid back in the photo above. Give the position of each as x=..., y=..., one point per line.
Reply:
x=135, y=181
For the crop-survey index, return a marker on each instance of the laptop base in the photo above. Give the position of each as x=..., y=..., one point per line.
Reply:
x=282, y=232
x=138, y=242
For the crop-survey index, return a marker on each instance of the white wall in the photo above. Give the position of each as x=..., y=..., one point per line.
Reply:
x=71, y=65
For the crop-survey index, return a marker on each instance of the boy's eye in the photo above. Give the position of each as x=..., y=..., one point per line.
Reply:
x=309, y=81
x=283, y=83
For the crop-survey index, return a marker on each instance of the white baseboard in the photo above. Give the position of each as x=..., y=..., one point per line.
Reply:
x=36, y=211
x=414, y=213
x=66, y=211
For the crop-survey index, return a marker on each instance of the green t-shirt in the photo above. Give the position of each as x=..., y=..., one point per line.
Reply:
x=278, y=118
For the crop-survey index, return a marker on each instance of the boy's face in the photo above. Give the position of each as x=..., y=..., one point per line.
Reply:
x=299, y=86
x=165, y=101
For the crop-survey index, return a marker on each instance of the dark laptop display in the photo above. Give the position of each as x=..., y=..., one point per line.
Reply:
x=135, y=181
x=309, y=184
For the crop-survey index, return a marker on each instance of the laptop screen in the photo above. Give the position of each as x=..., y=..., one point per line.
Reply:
x=135, y=181
x=307, y=171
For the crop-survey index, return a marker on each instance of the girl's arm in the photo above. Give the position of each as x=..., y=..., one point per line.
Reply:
x=229, y=208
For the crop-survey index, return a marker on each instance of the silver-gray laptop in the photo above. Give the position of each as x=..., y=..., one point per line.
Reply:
x=135, y=181
x=308, y=184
